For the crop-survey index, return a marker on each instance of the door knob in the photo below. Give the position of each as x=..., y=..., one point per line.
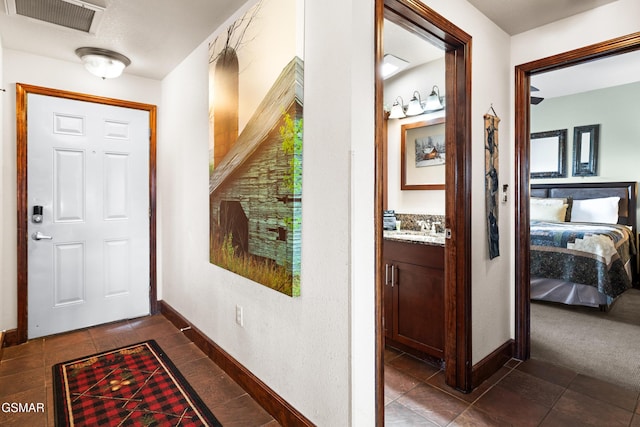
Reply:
x=39, y=236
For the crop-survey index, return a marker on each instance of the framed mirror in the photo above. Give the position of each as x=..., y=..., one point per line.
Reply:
x=585, y=150
x=422, y=155
x=547, y=157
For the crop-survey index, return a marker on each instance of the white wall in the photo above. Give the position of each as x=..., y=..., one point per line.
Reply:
x=422, y=79
x=603, y=23
x=20, y=67
x=317, y=350
x=491, y=279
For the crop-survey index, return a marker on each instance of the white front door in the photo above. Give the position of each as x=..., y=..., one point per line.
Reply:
x=88, y=167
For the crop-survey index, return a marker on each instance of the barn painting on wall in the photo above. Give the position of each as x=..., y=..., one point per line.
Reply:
x=255, y=162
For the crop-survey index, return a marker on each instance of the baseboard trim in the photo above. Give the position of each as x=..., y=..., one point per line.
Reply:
x=9, y=338
x=275, y=405
x=492, y=363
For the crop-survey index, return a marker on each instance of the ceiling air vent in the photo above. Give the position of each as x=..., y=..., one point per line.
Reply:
x=75, y=14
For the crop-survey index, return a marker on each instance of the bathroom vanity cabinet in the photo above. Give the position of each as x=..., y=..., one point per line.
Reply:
x=413, y=273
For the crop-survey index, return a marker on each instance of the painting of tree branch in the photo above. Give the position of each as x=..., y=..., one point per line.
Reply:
x=255, y=147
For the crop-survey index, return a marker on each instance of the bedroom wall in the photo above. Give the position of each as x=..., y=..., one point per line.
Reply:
x=616, y=109
x=71, y=76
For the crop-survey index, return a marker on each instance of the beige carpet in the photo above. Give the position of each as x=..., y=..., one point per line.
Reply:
x=602, y=345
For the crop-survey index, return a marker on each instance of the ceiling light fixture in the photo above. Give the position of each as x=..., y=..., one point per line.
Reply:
x=103, y=63
x=392, y=65
x=535, y=100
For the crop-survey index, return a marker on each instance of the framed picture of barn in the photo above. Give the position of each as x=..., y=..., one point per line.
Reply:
x=255, y=165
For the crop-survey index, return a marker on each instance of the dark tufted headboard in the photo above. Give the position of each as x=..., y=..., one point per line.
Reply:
x=627, y=191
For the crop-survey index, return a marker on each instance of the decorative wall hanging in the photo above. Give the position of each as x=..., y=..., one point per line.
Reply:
x=255, y=165
x=422, y=155
x=547, y=158
x=585, y=150
x=491, y=181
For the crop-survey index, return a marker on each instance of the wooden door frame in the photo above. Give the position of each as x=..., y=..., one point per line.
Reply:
x=523, y=75
x=416, y=17
x=22, y=92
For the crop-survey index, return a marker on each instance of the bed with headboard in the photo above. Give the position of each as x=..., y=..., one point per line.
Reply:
x=583, y=242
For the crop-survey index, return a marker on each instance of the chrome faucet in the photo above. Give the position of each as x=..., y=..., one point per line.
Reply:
x=424, y=225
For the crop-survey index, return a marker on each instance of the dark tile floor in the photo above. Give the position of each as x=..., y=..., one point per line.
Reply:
x=531, y=393
x=520, y=394
x=25, y=371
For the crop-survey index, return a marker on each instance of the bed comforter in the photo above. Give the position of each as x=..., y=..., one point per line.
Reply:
x=585, y=253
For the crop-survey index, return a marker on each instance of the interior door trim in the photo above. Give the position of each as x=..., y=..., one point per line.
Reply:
x=523, y=75
x=22, y=91
x=416, y=17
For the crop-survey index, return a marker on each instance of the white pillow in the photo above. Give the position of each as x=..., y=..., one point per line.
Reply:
x=547, y=201
x=548, y=212
x=604, y=210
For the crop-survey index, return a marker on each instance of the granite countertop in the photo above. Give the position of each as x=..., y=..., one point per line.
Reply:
x=419, y=237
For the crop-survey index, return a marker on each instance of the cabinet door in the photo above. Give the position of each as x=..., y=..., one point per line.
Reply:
x=418, y=308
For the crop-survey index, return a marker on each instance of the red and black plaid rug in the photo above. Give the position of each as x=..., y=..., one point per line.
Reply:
x=132, y=385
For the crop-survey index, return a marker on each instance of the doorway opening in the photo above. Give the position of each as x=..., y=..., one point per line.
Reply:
x=427, y=24
x=523, y=75
x=234, y=223
x=22, y=93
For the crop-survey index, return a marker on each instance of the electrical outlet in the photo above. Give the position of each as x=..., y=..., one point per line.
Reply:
x=239, y=315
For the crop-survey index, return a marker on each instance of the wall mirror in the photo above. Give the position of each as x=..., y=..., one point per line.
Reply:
x=547, y=156
x=422, y=155
x=585, y=150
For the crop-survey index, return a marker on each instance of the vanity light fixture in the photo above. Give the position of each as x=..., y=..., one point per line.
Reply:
x=103, y=63
x=415, y=105
x=397, y=109
x=434, y=101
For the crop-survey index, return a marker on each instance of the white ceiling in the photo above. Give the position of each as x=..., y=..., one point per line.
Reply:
x=408, y=46
x=155, y=34
x=513, y=16
x=517, y=16
x=158, y=34
x=613, y=71
x=608, y=72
